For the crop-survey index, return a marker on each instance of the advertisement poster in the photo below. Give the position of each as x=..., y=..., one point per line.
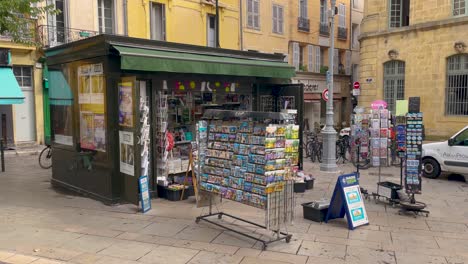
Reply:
x=356, y=207
x=99, y=132
x=125, y=104
x=91, y=84
x=144, y=194
x=87, y=130
x=127, y=159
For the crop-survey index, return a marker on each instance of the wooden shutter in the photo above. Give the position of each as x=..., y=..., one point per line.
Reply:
x=280, y=19
x=296, y=55
x=318, y=59
x=348, y=62
x=275, y=19
x=311, y=62
x=249, y=13
x=256, y=14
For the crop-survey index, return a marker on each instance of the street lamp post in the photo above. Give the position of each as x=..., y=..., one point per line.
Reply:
x=328, y=132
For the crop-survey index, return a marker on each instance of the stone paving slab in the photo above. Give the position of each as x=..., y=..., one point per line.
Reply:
x=41, y=225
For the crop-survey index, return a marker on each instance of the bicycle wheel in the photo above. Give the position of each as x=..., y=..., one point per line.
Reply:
x=319, y=153
x=363, y=164
x=45, y=158
x=308, y=148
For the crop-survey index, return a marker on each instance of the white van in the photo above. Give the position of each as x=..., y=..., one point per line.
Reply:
x=448, y=156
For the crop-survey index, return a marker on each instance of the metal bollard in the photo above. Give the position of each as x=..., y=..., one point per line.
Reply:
x=2, y=155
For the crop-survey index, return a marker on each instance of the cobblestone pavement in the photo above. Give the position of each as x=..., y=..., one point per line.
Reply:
x=40, y=225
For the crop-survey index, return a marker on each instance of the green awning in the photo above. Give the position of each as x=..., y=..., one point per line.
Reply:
x=181, y=62
x=10, y=91
x=59, y=90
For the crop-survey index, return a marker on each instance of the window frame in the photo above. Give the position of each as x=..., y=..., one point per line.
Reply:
x=460, y=75
x=453, y=8
x=396, y=76
x=153, y=20
x=323, y=12
x=102, y=18
x=278, y=21
x=20, y=78
x=303, y=5
x=252, y=15
x=390, y=4
x=341, y=15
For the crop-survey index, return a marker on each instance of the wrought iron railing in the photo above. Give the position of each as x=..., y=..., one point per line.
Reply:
x=303, y=24
x=324, y=30
x=342, y=33
x=51, y=36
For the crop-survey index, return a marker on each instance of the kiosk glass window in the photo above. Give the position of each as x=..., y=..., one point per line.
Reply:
x=91, y=100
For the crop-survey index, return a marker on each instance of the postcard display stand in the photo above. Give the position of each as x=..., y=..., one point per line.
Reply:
x=161, y=129
x=412, y=179
x=360, y=137
x=248, y=161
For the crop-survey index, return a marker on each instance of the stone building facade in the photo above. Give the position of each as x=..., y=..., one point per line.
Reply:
x=417, y=48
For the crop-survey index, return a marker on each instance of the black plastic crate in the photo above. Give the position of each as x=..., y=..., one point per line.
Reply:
x=173, y=195
x=299, y=187
x=314, y=214
x=389, y=190
x=309, y=184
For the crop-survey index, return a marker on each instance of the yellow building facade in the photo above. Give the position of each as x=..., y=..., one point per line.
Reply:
x=419, y=51
x=23, y=124
x=185, y=21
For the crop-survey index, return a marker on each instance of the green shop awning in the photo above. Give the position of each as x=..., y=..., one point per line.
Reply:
x=59, y=90
x=181, y=62
x=10, y=91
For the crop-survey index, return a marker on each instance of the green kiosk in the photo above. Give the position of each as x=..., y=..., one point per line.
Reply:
x=118, y=104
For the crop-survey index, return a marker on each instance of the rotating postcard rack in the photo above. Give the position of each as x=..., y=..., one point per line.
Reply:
x=249, y=157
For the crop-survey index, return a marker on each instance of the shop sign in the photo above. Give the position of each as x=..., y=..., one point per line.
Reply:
x=379, y=104
x=314, y=86
x=356, y=92
x=347, y=201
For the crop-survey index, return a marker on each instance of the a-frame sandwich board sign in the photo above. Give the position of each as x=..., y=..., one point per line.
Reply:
x=347, y=200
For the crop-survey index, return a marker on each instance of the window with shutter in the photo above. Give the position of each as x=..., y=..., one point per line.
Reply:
x=256, y=14
x=296, y=55
x=311, y=62
x=250, y=13
x=280, y=20
x=342, y=16
x=318, y=60
x=275, y=19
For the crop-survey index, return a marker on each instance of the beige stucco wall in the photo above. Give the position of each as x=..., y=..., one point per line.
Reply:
x=424, y=47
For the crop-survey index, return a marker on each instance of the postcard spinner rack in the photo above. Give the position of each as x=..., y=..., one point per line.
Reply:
x=278, y=205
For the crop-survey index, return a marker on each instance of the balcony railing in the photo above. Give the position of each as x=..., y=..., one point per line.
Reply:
x=324, y=29
x=51, y=36
x=303, y=24
x=342, y=33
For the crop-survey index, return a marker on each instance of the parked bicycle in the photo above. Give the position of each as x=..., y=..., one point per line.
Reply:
x=309, y=136
x=45, y=158
x=315, y=149
x=342, y=149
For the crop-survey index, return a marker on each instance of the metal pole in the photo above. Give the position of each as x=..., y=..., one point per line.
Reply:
x=328, y=132
x=217, y=24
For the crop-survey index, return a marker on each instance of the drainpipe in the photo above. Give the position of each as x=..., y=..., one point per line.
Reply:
x=217, y=24
x=125, y=18
x=45, y=100
x=241, y=31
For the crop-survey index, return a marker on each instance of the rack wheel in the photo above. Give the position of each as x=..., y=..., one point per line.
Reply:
x=288, y=239
x=197, y=220
x=220, y=216
x=264, y=246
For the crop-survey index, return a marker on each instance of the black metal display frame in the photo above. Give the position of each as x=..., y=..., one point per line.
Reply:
x=214, y=114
